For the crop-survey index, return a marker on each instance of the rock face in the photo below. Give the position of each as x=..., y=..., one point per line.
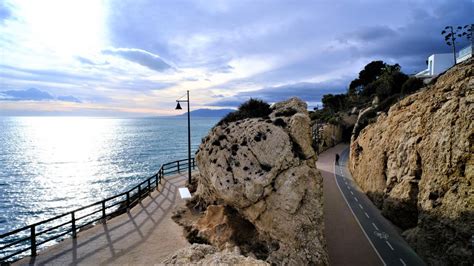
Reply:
x=265, y=170
x=416, y=163
x=200, y=254
x=326, y=136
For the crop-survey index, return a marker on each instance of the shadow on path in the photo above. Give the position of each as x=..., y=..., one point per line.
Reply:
x=107, y=242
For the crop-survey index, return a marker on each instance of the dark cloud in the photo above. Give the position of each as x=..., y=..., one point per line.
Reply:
x=33, y=95
x=410, y=44
x=374, y=33
x=144, y=58
x=310, y=92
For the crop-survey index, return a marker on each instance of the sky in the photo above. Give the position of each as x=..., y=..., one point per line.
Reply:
x=136, y=57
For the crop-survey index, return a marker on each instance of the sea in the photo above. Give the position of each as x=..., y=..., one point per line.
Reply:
x=52, y=165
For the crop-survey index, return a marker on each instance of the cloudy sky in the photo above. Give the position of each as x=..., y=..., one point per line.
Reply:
x=136, y=57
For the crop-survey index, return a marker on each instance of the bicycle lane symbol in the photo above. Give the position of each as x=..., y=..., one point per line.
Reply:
x=381, y=235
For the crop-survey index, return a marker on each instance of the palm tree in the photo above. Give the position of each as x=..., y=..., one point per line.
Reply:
x=449, y=34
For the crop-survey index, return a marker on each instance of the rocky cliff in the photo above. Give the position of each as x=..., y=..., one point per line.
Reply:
x=416, y=163
x=263, y=169
x=327, y=135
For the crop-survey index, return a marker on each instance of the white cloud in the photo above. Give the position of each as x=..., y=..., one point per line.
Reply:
x=138, y=56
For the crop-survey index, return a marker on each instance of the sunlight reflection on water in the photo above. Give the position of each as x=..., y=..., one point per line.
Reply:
x=50, y=165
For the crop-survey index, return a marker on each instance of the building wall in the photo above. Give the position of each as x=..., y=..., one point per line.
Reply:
x=465, y=54
x=441, y=62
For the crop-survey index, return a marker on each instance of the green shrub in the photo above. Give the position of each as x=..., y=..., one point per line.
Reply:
x=411, y=85
x=249, y=109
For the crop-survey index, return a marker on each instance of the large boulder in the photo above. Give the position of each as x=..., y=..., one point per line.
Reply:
x=264, y=168
x=417, y=165
x=201, y=254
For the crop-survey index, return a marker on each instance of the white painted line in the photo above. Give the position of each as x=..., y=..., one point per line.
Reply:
x=352, y=192
x=376, y=228
x=356, y=199
x=388, y=243
x=366, y=215
x=357, y=220
x=403, y=262
x=362, y=207
x=348, y=187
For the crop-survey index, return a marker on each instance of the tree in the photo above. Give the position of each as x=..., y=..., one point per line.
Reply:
x=371, y=72
x=411, y=85
x=335, y=103
x=467, y=32
x=249, y=109
x=366, y=76
x=450, y=35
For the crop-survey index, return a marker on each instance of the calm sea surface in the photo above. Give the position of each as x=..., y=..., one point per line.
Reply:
x=51, y=165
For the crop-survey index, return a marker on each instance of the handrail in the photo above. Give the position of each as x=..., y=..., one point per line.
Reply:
x=9, y=252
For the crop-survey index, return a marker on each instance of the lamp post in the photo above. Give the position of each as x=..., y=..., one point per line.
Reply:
x=178, y=107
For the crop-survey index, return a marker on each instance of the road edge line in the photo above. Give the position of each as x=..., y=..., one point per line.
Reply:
x=355, y=217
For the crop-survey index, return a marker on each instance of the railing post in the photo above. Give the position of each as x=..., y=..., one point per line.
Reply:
x=149, y=187
x=178, y=167
x=33, y=240
x=128, y=200
x=162, y=174
x=73, y=221
x=156, y=180
x=103, y=211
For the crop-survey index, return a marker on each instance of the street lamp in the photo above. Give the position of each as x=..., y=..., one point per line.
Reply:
x=178, y=107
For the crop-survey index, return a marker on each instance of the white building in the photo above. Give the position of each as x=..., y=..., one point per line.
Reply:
x=438, y=63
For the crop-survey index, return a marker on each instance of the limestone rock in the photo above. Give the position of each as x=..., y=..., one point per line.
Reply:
x=326, y=136
x=200, y=254
x=264, y=168
x=417, y=164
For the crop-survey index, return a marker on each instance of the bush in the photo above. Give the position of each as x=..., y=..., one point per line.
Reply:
x=411, y=85
x=249, y=109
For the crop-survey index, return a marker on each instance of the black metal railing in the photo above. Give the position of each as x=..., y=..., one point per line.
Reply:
x=16, y=244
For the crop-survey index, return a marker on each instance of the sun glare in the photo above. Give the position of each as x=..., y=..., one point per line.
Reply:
x=67, y=27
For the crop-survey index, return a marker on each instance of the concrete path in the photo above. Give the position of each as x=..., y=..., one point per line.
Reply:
x=378, y=233
x=144, y=235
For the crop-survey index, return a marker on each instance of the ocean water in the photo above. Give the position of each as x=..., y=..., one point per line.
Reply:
x=51, y=165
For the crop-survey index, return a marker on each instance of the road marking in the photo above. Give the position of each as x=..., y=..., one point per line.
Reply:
x=352, y=192
x=361, y=206
x=381, y=235
x=366, y=215
x=357, y=220
x=403, y=262
x=388, y=243
x=348, y=187
x=376, y=228
x=356, y=199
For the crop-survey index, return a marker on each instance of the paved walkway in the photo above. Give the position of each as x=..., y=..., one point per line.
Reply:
x=144, y=235
x=380, y=241
x=346, y=242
